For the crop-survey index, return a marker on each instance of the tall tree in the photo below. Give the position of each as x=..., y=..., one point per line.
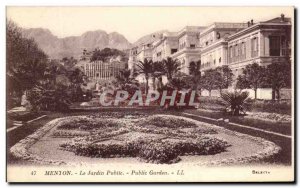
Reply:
x=278, y=76
x=26, y=62
x=195, y=74
x=125, y=77
x=209, y=81
x=223, y=77
x=171, y=67
x=145, y=68
x=157, y=72
x=253, y=77
x=69, y=63
x=107, y=53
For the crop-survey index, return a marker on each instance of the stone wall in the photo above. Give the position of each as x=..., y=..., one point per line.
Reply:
x=262, y=93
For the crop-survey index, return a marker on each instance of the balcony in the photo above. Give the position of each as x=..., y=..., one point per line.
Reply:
x=186, y=50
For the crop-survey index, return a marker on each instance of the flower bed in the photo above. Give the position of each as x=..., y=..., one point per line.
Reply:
x=131, y=137
x=149, y=150
x=160, y=124
x=167, y=122
x=272, y=117
x=85, y=123
x=154, y=146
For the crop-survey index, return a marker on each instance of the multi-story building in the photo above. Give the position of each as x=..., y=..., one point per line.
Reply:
x=182, y=45
x=214, y=44
x=234, y=44
x=262, y=43
x=188, y=47
x=99, y=70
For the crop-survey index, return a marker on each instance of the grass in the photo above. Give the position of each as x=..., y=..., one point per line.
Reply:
x=283, y=128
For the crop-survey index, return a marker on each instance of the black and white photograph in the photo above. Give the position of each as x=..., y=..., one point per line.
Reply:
x=150, y=94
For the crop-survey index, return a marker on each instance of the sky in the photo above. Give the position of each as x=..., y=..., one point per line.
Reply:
x=134, y=22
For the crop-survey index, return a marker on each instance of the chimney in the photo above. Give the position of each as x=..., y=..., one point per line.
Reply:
x=282, y=17
x=251, y=21
x=248, y=24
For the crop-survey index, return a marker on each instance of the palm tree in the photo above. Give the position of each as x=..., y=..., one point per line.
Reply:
x=124, y=77
x=195, y=73
x=178, y=83
x=171, y=67
x=236, y=102
x=145, y=68
x=157, y=72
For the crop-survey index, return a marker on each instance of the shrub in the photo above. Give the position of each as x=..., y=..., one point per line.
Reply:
x=235, y=102
x=164, y=145
x=281, y=107
x=88, y=124
x=159, y=152
x=51, y=98
x=168, y=122
x=152, y=151
x=69, y=134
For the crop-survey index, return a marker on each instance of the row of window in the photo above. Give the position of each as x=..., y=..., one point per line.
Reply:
x=277, y=47
x=237, y=52
x=208, y=64
x=103, y=73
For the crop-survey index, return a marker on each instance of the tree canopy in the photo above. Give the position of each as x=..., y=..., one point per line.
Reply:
x=253, y=77
x=107, y=53
x=26, y=62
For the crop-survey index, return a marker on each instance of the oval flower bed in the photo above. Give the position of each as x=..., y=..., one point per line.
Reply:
x=166, y=142
x=160, y=139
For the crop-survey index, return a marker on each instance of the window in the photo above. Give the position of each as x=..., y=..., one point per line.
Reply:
x=220, y=59
x=214, y=61
x=274, y=45
x=192, y=46
x=206, y=43
x=254, y=47
x=255, y=44
x=174, y=50
x=236, y=50
x=243, y=48
x=231, y=51
x=158, y=54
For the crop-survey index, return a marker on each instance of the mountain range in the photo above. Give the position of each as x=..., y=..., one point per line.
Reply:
x=73, y=46
x=58, y=48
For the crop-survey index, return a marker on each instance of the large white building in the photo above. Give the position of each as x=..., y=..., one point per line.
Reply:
x=262, y=43
x=232, y=44
x=99, y=71
x=182, y=45
x=214, y=44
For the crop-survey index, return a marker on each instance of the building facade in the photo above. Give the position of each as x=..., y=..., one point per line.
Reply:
x=214, y=44
x=99, y=70
x=234, y=44
x=182, y=45
x=261, y=43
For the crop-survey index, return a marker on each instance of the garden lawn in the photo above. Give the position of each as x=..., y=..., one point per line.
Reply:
x=283, y=128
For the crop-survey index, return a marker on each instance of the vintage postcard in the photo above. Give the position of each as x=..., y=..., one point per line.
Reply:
x=150, y=94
